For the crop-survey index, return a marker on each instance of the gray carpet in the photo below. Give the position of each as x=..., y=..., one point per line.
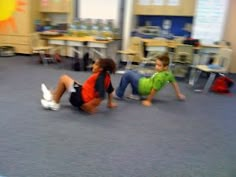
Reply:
x=195, y=138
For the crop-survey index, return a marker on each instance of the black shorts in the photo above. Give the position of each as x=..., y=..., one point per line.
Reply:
x=76, y=97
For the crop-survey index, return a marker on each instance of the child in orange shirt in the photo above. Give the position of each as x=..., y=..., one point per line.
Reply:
x=87, y=96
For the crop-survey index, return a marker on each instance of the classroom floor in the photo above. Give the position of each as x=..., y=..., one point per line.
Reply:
x=195, y=138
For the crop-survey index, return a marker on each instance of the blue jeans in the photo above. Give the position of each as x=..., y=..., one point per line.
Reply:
x=130, y=77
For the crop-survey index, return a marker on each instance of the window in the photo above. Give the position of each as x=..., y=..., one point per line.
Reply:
x=99, y=9
x=209, y=20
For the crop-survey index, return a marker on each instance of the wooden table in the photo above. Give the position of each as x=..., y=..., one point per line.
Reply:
x=78, y=44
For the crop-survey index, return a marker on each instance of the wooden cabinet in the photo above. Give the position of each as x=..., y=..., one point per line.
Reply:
x=188, y=7
x=148, y=9
x=185, y=8
x=55, y=12
x=59, y=6
x=20, y=36
x=21, y=43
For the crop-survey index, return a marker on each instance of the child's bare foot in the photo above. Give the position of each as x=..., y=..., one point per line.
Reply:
x=112, y=105
x=146, y=103
x=181, y=97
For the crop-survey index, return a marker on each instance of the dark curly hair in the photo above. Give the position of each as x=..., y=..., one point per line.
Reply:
x=107, y=64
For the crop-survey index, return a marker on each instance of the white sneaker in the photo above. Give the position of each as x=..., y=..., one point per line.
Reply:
x=51, y=105
x=133, y=97
x=47, y=95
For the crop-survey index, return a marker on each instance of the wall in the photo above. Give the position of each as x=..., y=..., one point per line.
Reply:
x=230, y=32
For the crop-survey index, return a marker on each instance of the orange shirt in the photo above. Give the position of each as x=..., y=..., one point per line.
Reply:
x=96, y=86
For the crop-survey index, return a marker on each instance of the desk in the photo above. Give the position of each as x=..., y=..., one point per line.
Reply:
x=100, y=47
x=153, y=45
x=206, y=50
x=200, y=56
x=103, y=48
x=77, y=43
x=45, y=35
x=200, y=53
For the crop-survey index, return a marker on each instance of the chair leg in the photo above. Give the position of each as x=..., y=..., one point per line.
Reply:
x=43, y=58
x=129, y=62
x=209, y=82
x=195, y=77
x=192, y=77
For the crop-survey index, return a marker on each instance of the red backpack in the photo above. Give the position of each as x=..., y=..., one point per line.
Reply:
x=222, y=84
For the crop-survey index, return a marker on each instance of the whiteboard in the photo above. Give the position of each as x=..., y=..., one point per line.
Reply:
x=100, y=9
x=209, y=20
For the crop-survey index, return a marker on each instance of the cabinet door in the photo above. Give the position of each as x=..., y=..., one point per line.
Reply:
x=45, y=5
x=21, y=48
x=3, y=39
x=184, y=8
x=22, y=44
x=150, y=9
x=187, y=8
x=17, y=39
x=59, y=6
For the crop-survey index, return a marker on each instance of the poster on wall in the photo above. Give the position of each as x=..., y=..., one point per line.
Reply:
x=8, y=12
x=209, y=20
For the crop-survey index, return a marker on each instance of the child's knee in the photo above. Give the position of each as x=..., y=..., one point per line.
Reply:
x=64, y=77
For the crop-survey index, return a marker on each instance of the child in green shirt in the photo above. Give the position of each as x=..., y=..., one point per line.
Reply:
x=149, y=86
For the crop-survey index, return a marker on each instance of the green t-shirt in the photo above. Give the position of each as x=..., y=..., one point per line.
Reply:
x=156, y=81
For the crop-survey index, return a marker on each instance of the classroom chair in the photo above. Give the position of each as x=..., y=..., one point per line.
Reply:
x=45, y=52
x=182, y=60
x=134, y=52
x=220, y=65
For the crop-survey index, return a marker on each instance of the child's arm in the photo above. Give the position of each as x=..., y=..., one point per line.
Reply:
x=90, y=107
x=110, y=103
x=179, y=95
x=148, y=101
